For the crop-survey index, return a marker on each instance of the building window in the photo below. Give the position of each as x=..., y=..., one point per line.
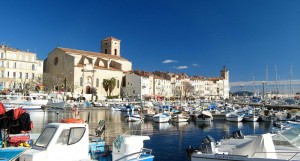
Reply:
x=2, y=55
x=8, y=74
x=97, y=82
x=55, y=60
x=2, y=74
x=26, y=75
x=20, y=65
x=32, y=75
x=15, y=65
x=26, y=58
x=14, y=56
x=116, y=51
x=105, y=51
x=33, y=67
x=14, y=75
x=81, y=81
x=7, y=64
x=32, y=59
x=20, y=75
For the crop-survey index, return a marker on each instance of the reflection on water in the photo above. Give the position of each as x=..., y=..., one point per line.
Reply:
x=168, y=140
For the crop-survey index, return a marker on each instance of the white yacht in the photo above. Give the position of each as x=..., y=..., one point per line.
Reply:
x=234, y=117
x=284, y=145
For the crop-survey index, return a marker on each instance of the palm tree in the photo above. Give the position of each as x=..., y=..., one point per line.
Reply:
x=106, y=84
x=112, y=85
x=109, y=85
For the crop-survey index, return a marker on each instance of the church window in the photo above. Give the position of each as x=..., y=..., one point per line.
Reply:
x=81, y=81
x=105, y=51
x=97, y=82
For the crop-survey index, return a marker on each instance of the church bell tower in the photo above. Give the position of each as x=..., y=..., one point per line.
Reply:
x=111, y=46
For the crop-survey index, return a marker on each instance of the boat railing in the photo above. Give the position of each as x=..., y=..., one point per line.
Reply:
x=143, y=151
x=281, y=155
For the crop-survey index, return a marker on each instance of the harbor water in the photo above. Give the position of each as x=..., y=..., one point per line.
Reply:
x=168, y=140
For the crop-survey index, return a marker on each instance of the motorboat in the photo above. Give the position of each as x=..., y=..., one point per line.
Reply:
x=204, y=116
x=26, y=102
x=128, y=108
x=72, y=142
x=284, y=145
x=250, y=118
x=181, y=118
x=285, y=116
x=267, y=115
x=161, y=117
x=234, y=117
x=133, y=118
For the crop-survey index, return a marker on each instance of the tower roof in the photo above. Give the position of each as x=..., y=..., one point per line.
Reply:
x=111, y=38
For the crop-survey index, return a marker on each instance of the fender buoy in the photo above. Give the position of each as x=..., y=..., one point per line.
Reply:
x=72, y=120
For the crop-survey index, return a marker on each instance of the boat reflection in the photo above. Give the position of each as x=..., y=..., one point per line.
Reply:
x=180, y=124
x=205, y=125
x=161, y=126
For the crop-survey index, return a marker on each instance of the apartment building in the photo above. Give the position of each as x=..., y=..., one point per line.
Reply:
x=18, y=67
x=172, y=85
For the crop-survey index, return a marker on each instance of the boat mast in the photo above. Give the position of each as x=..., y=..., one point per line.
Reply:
x=267, y=75
x=291, y=70
x=276, y=80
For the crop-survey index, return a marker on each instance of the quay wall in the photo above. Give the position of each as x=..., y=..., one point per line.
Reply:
x=275, y=107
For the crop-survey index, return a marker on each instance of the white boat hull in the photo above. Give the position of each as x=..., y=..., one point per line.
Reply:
x=234, y=119
x=161, y=118
x=251, y=118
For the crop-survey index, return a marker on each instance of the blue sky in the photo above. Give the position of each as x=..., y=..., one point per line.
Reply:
x=197, y=37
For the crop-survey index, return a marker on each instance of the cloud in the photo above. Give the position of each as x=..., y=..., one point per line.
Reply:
x=181, y=67
x=169, y=61
x=195, y=65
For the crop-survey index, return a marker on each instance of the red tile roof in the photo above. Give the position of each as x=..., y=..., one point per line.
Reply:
x=89, y=53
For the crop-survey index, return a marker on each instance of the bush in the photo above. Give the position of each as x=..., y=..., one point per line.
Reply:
x=112, y=97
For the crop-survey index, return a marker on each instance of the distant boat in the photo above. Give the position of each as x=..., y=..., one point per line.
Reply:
x=133, y=118
x=161, y=117
x=181, y=118
x=250, y=118
x=204, y=116
x=233, y=117
x=26, y=102
x=128, y=108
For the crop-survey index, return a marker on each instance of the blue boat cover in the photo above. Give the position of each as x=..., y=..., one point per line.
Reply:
x=7, y=154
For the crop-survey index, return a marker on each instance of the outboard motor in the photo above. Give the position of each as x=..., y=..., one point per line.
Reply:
x=208, y=145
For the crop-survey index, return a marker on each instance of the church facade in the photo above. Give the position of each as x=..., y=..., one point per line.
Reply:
x=80, y=72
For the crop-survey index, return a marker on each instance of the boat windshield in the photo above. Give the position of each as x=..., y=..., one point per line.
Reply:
x=45, y=137
x=292, y=135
